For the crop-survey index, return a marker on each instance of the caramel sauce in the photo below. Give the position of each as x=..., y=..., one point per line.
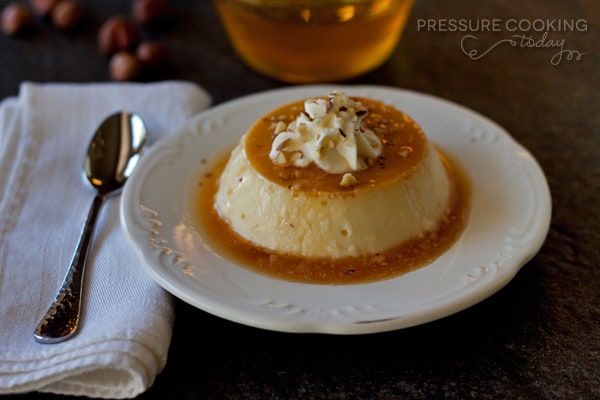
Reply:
x=399, y=134
x=404, y=147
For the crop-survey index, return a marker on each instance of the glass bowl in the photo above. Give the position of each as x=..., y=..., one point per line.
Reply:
x=309, y=41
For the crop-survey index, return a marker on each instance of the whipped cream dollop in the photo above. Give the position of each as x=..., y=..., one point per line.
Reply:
x=329, y=133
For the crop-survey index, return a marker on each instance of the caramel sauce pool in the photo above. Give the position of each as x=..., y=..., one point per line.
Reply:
x=398, y=260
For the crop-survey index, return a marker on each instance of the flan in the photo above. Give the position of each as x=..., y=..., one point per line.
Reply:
x=333, y=177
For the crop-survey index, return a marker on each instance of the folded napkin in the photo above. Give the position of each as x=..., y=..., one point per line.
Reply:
x=127, y=321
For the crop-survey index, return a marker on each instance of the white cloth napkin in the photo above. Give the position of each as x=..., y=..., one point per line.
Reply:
x=127, y=322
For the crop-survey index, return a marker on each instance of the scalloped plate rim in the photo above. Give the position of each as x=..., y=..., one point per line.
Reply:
x=479, y=284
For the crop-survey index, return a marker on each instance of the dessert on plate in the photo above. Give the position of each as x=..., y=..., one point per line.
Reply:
x=337, y=189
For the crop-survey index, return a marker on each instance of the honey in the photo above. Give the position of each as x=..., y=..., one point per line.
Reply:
x=314, y=40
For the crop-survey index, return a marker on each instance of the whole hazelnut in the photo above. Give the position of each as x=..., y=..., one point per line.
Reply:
x=43, y=7
x=124, y=66
x=152, y=54
x=16, y=19
x=67, y=14
x=151, y=12
x=117, y=34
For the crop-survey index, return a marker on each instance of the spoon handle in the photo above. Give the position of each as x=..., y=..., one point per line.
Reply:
x=61, y=321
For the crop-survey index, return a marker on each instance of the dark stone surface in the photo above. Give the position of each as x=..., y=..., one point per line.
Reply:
x=538, y=338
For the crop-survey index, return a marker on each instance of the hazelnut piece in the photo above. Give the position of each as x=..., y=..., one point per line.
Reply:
x=118, y=34
x=124, y=66
x=67, y=14
x=16, y=18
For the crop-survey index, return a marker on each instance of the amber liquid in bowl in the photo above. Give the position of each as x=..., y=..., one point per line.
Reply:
x=314, y=40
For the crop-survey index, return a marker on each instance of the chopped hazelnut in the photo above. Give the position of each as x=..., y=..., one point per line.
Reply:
x=348, y=180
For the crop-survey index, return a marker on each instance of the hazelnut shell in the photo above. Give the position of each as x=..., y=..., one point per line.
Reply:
x=124, y=66
x=151, y=12
x=67, y=14
x=118, y=34
x=152, y=54
x=16, y=19
x=43, y=7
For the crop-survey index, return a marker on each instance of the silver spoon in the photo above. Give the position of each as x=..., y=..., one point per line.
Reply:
x=112, y=156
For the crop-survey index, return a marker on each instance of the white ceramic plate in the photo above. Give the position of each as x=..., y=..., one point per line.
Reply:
x=508, y=223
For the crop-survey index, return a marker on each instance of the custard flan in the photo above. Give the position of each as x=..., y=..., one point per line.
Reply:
x=333, y=177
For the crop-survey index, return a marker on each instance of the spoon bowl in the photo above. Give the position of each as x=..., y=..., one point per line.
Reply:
x=114, y=151
x=112, y=155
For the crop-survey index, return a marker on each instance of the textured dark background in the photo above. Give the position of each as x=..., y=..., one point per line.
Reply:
x=538, y=338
